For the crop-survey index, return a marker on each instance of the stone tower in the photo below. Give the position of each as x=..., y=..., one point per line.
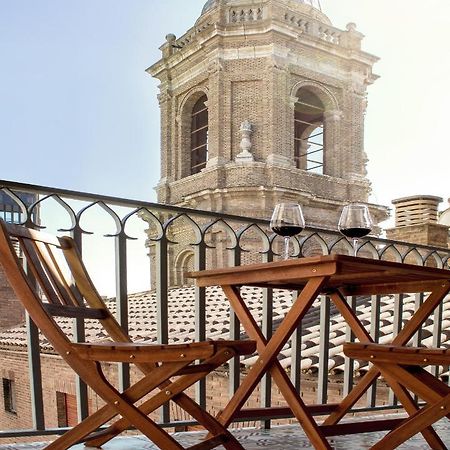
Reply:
x=263, y=101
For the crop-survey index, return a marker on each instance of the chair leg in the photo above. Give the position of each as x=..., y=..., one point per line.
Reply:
x=104, y=414
x=176, y=388
x=211, y=424
x=411, y=407
x=411, y=426
x=125, y=407
x=135, y=417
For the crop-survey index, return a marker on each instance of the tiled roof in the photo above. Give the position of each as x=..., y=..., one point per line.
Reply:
x=142, y=323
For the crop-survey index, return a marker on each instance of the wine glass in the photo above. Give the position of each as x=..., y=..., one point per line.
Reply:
x=287, y=220
x=355, y=222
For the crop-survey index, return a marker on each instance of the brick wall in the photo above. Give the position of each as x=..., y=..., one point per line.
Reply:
x=11, y=308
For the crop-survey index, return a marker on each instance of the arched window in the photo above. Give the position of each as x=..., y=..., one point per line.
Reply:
x=309, y=132
x=184, y=263
x=199, y=135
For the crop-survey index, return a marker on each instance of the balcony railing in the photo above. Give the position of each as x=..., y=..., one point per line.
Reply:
x=126, y=241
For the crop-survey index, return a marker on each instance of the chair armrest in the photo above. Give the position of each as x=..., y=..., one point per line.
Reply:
x=142, y=352
x=392, y=354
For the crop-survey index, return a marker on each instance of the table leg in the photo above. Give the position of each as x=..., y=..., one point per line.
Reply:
x=268, y=351
x=350, y=317
x=421, y=315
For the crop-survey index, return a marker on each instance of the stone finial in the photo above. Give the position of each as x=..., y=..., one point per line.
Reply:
x=169, y=46
x=170, y=38
x=352, y=37
x=246, y=143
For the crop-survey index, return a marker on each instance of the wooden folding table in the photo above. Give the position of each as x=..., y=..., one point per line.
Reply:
x=337, y=276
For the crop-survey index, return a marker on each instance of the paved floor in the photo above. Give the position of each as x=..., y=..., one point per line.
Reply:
x=278, y=438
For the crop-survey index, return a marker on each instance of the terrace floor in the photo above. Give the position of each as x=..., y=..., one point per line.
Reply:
x=288, y=437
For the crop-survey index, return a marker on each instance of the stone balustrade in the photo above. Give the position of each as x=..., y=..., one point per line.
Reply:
x=251, y=14
x=246, y=14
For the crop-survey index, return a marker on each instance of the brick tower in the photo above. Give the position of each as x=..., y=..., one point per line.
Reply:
x=264, y=101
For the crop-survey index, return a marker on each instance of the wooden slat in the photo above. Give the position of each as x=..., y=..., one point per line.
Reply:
x=23, y=232
x=131, y=352
x=35, y=265
x=74, y=311
x=282, y=411
x=398, y=354
x=65, y=289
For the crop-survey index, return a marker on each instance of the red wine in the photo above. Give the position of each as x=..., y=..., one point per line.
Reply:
x=287, y=230
x=355, y=232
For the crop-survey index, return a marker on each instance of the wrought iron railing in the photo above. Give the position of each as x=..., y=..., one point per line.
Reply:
x=203, y=239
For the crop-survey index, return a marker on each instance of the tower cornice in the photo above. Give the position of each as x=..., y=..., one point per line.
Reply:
x=203, y=42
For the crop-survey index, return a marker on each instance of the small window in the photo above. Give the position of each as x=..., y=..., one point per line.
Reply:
x=61, y=409
x=309, y=132
x=199, y=135
x=9, y=395
x=66, y=409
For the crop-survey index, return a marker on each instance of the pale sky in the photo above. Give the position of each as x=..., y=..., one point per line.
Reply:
x=78, y=111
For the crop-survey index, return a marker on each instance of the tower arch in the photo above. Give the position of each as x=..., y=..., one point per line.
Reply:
x=316, y=129
x=329, y=100
x=193, y=125
x=184, y=263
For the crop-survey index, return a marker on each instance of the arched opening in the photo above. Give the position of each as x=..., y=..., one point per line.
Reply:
x=309, y=132
x=184, y=263
x=199, y=135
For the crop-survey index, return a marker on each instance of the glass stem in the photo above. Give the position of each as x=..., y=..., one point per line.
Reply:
x=286, y=247
x=355, y=246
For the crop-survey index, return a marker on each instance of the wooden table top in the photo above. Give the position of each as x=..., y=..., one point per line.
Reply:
x=352, y=275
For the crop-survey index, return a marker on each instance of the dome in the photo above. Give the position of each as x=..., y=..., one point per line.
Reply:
x=210, y=4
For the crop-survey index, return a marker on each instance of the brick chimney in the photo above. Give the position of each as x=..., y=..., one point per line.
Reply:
x=416, y=221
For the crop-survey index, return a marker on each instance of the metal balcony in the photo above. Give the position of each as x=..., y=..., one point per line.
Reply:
x=134, y=246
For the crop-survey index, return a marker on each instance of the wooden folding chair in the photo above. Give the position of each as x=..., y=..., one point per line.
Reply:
x=403, y=369
x=168, y=370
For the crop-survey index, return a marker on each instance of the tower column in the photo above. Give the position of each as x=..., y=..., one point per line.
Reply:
x=216, y=149
x=280, y=131
x=331, y=143
x=168, y=161
x=353, y=165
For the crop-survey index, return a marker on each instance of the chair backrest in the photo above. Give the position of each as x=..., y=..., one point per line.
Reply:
x=55, y=283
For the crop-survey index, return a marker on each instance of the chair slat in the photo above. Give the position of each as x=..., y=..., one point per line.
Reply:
x=37, y=236
x=398, y=355
x=29, y=248
x=66, y=291
x=75, y=312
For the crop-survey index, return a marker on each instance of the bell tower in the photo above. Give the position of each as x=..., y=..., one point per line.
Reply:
x=263, y=101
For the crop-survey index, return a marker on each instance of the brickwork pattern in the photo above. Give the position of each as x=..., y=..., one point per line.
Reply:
x=12, y=311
